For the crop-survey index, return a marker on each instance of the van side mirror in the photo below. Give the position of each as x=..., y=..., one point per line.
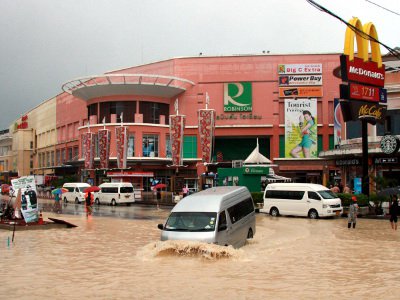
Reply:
x=160, y=226
x=222, y=227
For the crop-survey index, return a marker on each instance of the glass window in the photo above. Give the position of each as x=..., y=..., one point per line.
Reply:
x=58, y=157
x=327, y=194
x=240, y=210
x=191, y=221
x=313, y=195
x=222, y=225
x=168, y=147
x=131, y=145
x=288, y=195
x=126, y=189
x=151, y=112
x=70, y=154
x=92, y=110
x=150, y=145
x=118, y=107
x=189, y=147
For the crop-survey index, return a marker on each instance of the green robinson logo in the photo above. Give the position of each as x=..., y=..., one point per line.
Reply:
x=238, y=97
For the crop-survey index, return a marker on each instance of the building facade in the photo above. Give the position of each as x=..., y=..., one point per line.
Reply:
x=269, y=98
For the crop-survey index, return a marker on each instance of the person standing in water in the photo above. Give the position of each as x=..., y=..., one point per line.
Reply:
x=393, y=211
x=352, y=215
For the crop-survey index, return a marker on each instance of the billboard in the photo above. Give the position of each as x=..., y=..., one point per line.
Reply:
x=28, y=194
x=306, y=91
x=295, y=80
x=300, y=69
x=301, y=128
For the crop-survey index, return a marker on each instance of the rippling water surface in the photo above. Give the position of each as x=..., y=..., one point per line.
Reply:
x=114, y=258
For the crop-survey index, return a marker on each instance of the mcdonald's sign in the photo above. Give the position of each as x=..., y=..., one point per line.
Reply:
x=360, y=68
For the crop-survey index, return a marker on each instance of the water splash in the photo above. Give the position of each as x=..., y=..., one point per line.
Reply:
x=189, y=249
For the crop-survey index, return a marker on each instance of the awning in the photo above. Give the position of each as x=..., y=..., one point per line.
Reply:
x=130, y=174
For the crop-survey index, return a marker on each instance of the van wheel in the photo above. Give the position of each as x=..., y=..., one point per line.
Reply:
x=65, y=200
x=113, y=203
x=313, y=214
x=274, y=212
x=250, y=234
x=76, y=200
x=97, y=201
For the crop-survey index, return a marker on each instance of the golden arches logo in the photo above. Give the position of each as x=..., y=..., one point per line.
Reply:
x=362, y=42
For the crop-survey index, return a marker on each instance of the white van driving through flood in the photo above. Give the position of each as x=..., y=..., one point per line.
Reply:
x=115, y=193
x=220, y=215
x=75, y=192
x=301, y=199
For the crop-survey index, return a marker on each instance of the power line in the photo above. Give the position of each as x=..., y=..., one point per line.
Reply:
x=355, y=29
x=383, y=7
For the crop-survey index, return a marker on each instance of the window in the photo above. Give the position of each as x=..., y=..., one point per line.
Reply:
x=288, y=195
x=131, y=145
x=118, y=107
x=191, y=221
x=40, y=160
x=189, y=147
x=52, y=158
x=126, y=189
x=168, y=152
x=76, y=152
x=314, y=196
x=222, y=225
x=63, y=155
x=151, y=112
x=150, y=145
x=70, y=154
x=281, y=146
x=240, y=210
x=109, y=190
x=58, y=157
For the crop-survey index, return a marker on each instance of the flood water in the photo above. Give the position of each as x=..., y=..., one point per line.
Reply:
x=121, y=258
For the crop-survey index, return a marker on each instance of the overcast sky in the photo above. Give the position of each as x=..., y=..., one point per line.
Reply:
x=45, y=43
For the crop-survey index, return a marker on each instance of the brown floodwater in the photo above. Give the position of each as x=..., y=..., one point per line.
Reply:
x=114, y=258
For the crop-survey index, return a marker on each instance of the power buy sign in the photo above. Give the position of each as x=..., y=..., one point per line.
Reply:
x=361, y=92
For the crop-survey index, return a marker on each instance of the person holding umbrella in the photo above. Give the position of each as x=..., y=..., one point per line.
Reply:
x=393, y=211
x=57, y=199
x=89, y=199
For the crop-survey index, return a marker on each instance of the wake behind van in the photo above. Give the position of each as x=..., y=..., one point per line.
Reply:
x=220, y=215
x=75, y=192
x=115, y=193
x=301, y=199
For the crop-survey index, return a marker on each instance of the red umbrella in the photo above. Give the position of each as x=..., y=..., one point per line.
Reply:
x=91, y=189
x=159, y=186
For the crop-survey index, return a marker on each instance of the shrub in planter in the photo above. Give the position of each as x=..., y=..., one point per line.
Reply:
x=257, y=197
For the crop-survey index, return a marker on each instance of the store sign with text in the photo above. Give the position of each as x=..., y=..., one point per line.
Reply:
x=295, y=80
x=300, y=92
x=238, y=97
x=357, y=91
x=360, y=71
x=300, y=69
x=355, y=110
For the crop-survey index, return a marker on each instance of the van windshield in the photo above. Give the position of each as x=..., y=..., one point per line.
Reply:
x=82, y=188
x=191, y=221
x=327, y=194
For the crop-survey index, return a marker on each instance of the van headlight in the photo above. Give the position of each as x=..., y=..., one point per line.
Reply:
x=325, y=205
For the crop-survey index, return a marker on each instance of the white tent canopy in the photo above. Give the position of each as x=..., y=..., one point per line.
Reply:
x=256, y=158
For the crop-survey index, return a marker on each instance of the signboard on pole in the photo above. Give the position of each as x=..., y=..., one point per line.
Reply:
x=29, y=205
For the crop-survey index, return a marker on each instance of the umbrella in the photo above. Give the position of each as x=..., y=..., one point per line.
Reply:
x=59, y=191
x=159, y=186
x=91, y=189
x=389, y=191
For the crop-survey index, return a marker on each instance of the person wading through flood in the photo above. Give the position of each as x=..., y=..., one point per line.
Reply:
x=89, y=200
x=352, y=215
x=393, y=211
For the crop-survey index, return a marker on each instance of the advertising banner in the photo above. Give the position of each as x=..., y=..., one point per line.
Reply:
x=206, y=133
x=300, y=69
x=88, y=142
x=295, y=80
x=294, y=92
x=121, y=136
x=338, y=119
x=104, y=147
x=301, y=128
x=355, y=91
x=176, y=127
x=29, y=205
x=355, y=110
x=238, y=97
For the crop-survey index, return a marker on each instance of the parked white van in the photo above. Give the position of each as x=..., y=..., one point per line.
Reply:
x=75, y=192
x=221, y=215
x=301, y=199
x=115, y=193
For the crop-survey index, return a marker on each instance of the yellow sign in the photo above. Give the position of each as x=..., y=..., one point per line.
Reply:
x=362, y=42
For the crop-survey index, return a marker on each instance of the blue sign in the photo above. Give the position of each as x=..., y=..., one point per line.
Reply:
x=357, y=185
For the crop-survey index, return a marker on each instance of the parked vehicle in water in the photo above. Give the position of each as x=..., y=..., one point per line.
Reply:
x=75, y=192
x=220, y=215
x=301, y=199
x=115, y=193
